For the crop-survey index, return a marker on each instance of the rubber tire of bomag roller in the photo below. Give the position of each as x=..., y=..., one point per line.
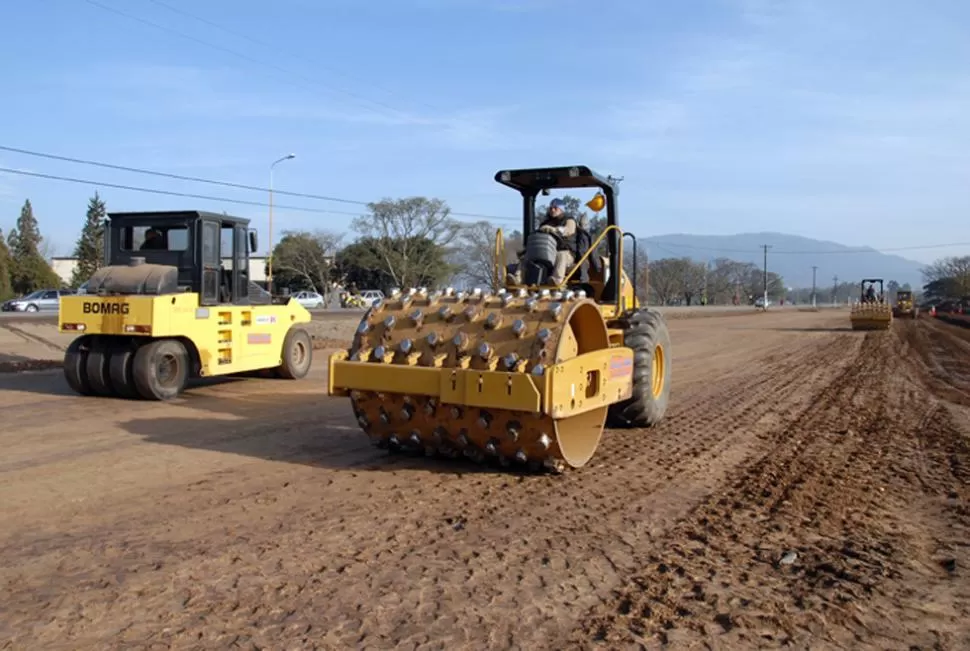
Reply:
x=297, y=338
x=75, y=365
x=144, y=369
x=98, y=367
x=121, y=370
x=643, y=331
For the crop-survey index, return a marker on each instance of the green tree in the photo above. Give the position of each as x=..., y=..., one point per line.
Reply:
x=30, y=270
x=362, y=264
x=358, y=266
x=303, y=260
x=89, y=250
x=6, y=270
x=412, y=239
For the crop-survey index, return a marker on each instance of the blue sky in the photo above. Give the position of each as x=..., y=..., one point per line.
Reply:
x=845, y=120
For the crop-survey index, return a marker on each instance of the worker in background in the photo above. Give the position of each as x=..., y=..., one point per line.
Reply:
x=557, y=222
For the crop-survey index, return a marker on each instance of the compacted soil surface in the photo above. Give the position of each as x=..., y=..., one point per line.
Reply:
x=808, y=489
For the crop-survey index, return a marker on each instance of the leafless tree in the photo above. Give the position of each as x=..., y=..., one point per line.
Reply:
x=665, y=279
x=954, y=270
x=693, y=276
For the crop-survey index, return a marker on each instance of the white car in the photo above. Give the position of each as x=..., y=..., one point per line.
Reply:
x=309, y=300
x=371, y=296
x=760, y=302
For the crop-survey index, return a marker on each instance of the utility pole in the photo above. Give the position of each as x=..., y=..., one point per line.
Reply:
x=835, y=290
x=814, y=269
x=765, y=274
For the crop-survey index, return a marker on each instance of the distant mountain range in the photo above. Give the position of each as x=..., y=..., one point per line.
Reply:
x=791, y=256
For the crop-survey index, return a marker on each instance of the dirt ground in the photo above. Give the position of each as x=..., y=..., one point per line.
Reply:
x=808, y=490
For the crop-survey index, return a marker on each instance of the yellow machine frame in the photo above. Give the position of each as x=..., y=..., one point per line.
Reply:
x=871, y=315
x=904, y=306
x=223, y=340
x=146, y=328
x=552, y=365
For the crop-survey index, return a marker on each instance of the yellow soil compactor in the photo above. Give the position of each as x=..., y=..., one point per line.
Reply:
x=528, y=375
x=873, y=311
x=904, y=307
x=175, y=302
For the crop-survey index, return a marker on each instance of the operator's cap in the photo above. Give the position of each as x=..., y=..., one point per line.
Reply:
x=557, y=203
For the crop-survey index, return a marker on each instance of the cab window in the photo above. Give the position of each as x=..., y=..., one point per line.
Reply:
x=153, y=238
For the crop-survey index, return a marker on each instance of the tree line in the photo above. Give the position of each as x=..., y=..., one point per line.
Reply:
x=24, y=252
x=415, y=242
x=947, y=279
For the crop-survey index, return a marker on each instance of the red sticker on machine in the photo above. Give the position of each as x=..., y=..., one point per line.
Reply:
x=259, y=338
x=621, y=366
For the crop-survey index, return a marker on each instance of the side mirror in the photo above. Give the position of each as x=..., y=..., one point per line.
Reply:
x=253, y=242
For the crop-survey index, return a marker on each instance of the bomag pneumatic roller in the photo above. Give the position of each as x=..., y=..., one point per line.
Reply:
x=167, y=308
x=528, y=375
x=872, y=312
x=904, y=307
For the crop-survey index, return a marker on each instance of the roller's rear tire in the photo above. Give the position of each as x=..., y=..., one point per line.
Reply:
x=121, y=370
x=297, y=354
x=645, y=331
x=75, y=365
x=161, y=369
x=99, y=359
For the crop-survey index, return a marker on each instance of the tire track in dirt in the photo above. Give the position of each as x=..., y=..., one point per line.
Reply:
x=580, y=510
x=587, y=531
x=837, y=488
x=32, y=337
x=942, y=357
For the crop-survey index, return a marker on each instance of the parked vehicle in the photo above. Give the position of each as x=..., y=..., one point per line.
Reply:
x=371, y=296
x=309, y=300
x=43, y=300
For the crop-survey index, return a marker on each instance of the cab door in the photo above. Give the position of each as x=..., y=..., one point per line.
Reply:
x=211, y=263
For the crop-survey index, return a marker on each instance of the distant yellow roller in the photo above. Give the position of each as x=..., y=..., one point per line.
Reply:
x=872, y=312
x=904, y=307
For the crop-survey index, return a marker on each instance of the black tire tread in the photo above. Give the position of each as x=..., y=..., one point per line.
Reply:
x=75, y=365
x=286, y=370
x=143, y=369
x=98, y=366
x=643, y=330
x=121, y=371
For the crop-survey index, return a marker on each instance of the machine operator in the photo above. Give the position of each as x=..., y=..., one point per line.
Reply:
x=557, y=222
x=153, y=241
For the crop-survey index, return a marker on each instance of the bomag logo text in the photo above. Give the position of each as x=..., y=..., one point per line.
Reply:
x=106, y=308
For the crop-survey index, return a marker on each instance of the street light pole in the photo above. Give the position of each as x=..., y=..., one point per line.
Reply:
x=766, y=247
x=269, y=267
